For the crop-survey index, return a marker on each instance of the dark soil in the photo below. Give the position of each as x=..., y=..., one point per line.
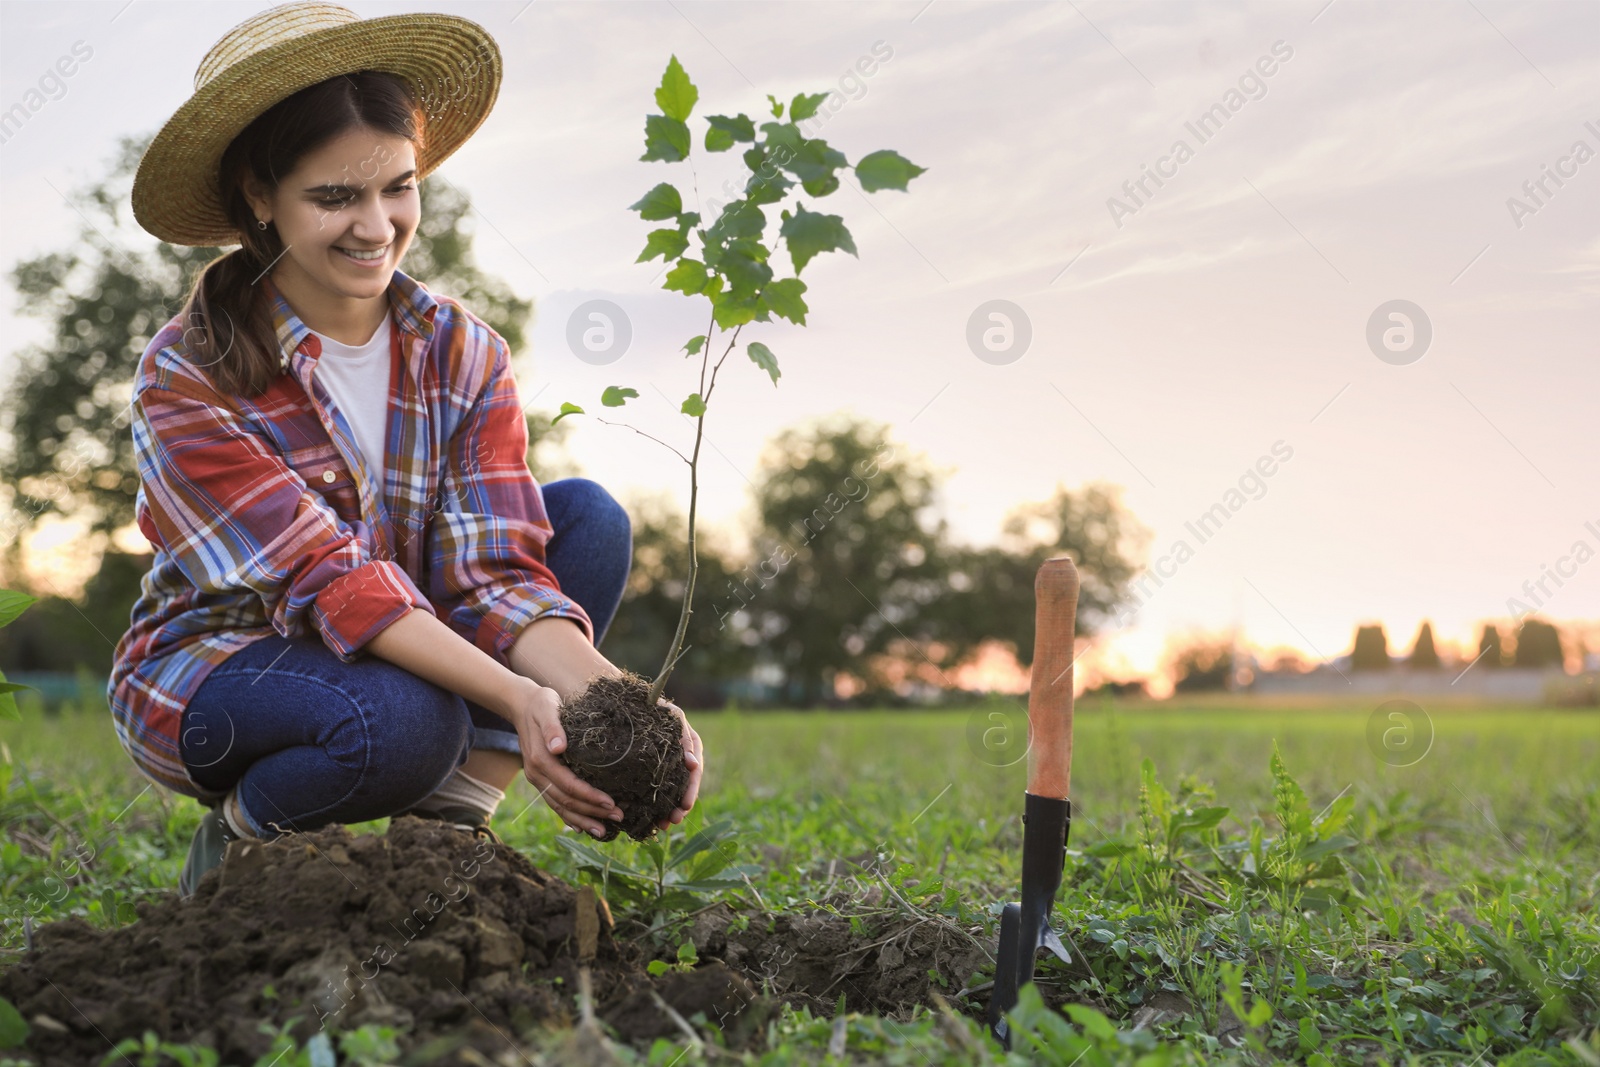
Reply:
x=631, y=749
x=887, y=969
x=456, y=941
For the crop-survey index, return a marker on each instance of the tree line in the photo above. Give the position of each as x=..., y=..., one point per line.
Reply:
x=1537, y=643
x=1209, y=664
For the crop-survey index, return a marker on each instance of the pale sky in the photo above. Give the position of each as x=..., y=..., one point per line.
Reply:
x=1175, y=342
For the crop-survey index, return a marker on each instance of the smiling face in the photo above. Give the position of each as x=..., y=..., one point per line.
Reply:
x=346, y=216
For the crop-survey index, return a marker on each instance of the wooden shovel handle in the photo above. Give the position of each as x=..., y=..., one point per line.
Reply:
x=1055, y=591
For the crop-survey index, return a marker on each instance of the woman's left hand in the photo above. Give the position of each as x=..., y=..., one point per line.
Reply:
x=694, y=757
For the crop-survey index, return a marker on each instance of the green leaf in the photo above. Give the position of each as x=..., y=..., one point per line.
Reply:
x=616, y=396
x=12, y=604
x=677, y=94
x=687, y=954
x=724, y=131
x=729, y=310
x=809, y=233
x=712, y=863
x=688, y=277
x=567, y=408
x=662, y=202
x=687, y=220
x=1310, y=1036
x=694, y=345
x=805, y=105
x=658, y=967
x=694, y=405
x=666, y=139
x=707, y=838
x=1197, y=821
x=591, y=857
x=777, y=108
x=733, y=880
x=783, y=299
x=815, y=161
x=668, y=244
x=740, y=218
x=1337, y=843
x=767, y=188
x=784, y=134
x=886, y=169
x=1094, y=1024
x=762, y=357
x=13, y=1027
x=749, y=247
x=822, y=186
x=746, y=274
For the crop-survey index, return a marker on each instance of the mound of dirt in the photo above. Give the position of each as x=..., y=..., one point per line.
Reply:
x=621, y=743
x=452, y=938
x=887, y=967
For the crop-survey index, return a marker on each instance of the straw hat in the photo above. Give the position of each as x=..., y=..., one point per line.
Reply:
x=451, y=63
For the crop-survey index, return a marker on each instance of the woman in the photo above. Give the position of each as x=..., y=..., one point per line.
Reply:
x=361, y=603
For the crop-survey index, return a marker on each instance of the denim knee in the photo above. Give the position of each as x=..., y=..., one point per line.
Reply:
x=598, y=505
x=419, y=734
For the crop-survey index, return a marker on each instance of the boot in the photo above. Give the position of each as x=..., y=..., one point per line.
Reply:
x=205, y=851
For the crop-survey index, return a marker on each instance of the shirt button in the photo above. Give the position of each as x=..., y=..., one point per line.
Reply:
x=328, y=476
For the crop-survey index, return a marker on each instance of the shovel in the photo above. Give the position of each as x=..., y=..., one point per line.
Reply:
x=1046, y=812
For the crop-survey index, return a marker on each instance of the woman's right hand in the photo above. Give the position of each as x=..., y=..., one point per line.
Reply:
x=535, y=710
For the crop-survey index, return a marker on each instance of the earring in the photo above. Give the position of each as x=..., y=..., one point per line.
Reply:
x=261, y=224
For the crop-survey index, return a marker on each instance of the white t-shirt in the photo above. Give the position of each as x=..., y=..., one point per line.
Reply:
x=357, y=377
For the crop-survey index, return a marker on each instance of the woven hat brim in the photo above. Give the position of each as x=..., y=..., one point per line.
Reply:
x=452, y=63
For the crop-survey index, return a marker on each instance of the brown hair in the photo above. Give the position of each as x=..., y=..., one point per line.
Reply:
x=227, y=316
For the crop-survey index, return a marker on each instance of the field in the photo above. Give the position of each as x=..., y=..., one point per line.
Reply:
x=1341, y=910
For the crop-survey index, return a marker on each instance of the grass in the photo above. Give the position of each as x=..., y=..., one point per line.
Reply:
x=1341, y=909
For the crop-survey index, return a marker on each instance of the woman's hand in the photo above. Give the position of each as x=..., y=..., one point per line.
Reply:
x=535, y=709
x=694, y=757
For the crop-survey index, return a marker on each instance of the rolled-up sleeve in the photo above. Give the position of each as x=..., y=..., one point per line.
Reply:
x=486, y=544
x=238, y=519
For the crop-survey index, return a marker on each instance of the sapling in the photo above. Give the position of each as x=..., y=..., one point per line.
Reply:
x=620, y=738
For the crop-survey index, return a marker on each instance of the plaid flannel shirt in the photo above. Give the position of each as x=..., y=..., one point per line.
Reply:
x=264, y=521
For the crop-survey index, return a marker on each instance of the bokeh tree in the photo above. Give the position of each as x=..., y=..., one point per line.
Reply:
x=989, y=589
x=1201, y=664
x=848, y=552
x=1371, y=651
x=1538, y=645
x=1424, y=657
x=855, y=573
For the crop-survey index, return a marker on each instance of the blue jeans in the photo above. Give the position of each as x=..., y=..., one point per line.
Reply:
x=311, y=740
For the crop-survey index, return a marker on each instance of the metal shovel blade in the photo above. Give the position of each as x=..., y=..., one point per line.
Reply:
x=1025, y=927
